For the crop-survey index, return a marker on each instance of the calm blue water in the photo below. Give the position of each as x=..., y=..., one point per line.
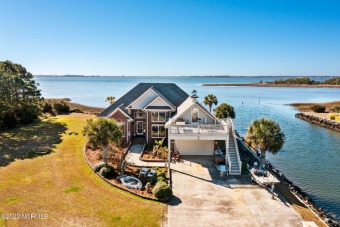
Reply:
x=310, y=156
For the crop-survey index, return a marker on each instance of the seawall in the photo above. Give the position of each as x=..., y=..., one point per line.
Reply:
x=323, y=122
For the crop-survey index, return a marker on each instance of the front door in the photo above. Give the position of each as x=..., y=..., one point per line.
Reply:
x=140, y=128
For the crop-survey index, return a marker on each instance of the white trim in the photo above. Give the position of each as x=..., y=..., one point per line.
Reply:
x=158, y=110
x=158, y=97
x=189, y=107
x=147, y=126
x=120, y=111
x=140, y=97
x=207, y=112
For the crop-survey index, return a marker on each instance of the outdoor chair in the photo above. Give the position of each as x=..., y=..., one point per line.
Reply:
x=151, y=173
x=143, y=171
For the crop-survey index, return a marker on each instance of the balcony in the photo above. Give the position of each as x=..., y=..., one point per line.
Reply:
x=203, y=129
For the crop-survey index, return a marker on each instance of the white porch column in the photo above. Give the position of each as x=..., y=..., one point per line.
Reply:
x=169, y=150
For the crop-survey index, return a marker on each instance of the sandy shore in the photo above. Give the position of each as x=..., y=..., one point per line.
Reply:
x=275, y=85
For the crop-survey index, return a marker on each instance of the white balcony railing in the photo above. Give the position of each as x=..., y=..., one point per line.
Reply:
x=197, y=129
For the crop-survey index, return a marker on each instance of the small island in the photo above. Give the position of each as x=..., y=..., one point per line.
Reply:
x=305, y=82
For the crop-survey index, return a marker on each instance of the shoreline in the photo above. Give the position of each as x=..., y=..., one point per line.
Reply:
x=301, y=202
x=272, y=85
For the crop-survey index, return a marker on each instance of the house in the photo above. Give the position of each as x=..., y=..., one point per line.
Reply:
x=152, y=111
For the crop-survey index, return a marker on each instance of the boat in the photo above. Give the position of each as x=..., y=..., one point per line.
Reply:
x=131, y=182
x=262, y=176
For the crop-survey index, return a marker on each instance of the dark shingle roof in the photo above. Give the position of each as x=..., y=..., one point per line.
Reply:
x=170, y=91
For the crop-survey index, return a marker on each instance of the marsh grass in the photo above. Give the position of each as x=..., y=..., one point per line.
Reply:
x=61, y=184
x=306, y=107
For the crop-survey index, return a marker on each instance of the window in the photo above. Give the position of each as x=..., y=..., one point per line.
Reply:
x=158, y=131
x=158, y=116
x=194, y=115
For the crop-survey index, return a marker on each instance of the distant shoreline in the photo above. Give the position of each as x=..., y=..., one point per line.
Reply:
x=273, y=85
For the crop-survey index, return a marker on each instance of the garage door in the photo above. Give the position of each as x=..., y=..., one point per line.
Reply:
x=195, y=147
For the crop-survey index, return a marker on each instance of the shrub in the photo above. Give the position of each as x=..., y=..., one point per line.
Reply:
x=162, y=190
x=334, y=117
x=47, y=107
x=61, y=107
x=98, y=166
x=148, y=146
x=161, y=179
x=336, y=109
x=161, y=174
x=318, y=108
x=153, y=180
x=77, y=111
x=107, y=171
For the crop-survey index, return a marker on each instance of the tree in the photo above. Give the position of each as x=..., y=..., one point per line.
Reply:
x=224, y=111
x=111, y=99
x=210, y=100
x=20, y=98
x=101, y=133
x=266, y=135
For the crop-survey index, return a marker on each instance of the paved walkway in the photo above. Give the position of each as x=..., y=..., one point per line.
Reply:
x=133, y=157
x=203, y=198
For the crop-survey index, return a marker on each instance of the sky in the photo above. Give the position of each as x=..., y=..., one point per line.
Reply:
x=172, y=38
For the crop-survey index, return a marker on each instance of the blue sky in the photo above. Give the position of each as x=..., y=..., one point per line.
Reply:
x=291, y=37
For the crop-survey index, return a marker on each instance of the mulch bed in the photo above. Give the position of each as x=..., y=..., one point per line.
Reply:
x=95, y=156
x=150, y=158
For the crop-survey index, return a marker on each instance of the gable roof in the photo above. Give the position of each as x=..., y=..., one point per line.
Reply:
x=166, y=102
x=168, y=91
x=187, y=104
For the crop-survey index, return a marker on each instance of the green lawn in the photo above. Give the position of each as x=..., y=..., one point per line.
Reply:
x=60, y=184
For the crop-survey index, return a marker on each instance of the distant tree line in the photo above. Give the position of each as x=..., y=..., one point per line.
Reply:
x=307, y=81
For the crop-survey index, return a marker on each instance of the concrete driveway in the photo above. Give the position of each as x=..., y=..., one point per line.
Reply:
x=203, y=198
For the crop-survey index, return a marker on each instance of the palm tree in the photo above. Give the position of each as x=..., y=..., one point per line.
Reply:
x=224, y=111
x=266, y=135
x=102, y=133
x=210, y=100
x=111, y=99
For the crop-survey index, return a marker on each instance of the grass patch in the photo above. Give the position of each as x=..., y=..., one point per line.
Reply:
x=11, y=199
x=39, y=182
x=72, y=189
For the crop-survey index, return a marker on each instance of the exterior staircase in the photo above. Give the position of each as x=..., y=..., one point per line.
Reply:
x=234, y=158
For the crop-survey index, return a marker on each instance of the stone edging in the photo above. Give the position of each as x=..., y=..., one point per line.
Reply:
x=123, y=188
x=295, y=190
x=323, y=122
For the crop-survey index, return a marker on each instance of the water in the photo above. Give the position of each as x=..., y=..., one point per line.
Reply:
x=310, y=156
